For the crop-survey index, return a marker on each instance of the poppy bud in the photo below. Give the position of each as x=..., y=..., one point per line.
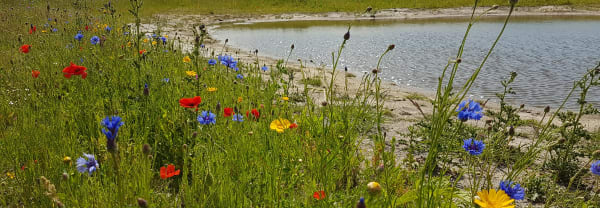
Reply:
x=547, y=109
x=380, y=168
x=142, y=202
x=324, y=103
x=184, y=146
x=150, y=157
x=489, y=128
x=194, y=134
x=511, y=131
x=346, y=68
x=226, y=40
x=522, y=106
x=65, y=176
x=218, y=106
x=391, y=47
x=561, y=140
x=146, y=149
x=202, y=26
x=256, y=51
x=292, y=47
x=458, y=60
x=375, y=71
x=596, y=154
x=347, y=35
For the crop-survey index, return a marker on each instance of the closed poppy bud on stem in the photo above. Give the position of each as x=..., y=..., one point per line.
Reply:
x=391, y=47
x=511, y=131
x=547, y=109
x=596, y=154
x=347, y=35
x=146, y=149
x=292, y=47
x=142, y=202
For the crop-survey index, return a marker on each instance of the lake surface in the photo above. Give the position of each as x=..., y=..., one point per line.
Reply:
x=548, y=53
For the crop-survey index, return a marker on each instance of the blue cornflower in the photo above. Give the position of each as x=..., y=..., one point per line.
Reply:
x=265, y=68
x=90, y=165
x=201, y=45
x=595, y=168
x=164, y=40
x=54, y=30
x=512, y=189
x=240, y=76
x=153, y=35
x=469, y=110
x=238, y=117
x=473, y=147
x=166, y=80
x=79, y=36
x=94, y=40
x=126, y=33
x=112, y=123
x=229, y=62
x=107, y=28
x=207, y=117
x=212, y=62
x=361, y=203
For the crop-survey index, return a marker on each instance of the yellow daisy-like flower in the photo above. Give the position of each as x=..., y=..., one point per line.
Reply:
x=154, y=42
x=374, y=187
x=280, y=125
x=211, y=89
x=494, y=199
x=44, y=31
x=186, y=59
x=146, y=40
x=10, y=175
x=190, y=73
x=240, y=99
x=285, y=98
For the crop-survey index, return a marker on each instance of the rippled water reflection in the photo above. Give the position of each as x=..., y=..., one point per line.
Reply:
x=548, y=53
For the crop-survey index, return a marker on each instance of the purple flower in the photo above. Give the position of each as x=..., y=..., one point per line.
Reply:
x=469, y=110
x=512, y=189
x=112, y=124
x=473, y=147
x=207, y=117
x=212, y=62
x=90, y=165
x=595, y=168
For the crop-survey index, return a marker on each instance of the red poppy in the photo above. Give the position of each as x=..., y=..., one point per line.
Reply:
x=293, y=126
x=74, y=70
x=35, y=73
x=25, y=48
x=318, y=195
x=142, y=51
x=228, y=112
x=190, y=102
x=32, y=29
x=168, y=172
x=254, y=112
x=23, y=168
x=87, y=28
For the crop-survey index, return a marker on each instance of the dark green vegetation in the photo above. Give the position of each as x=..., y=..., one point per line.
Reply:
x=337, y=147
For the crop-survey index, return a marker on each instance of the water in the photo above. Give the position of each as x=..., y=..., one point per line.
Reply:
x=548, y=53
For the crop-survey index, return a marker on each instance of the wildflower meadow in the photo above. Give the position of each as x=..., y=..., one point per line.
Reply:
x=95, y=112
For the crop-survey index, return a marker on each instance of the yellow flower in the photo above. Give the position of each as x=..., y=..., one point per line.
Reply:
x=187, y=59
x=494, y=199
x=129, y=44
x=67, y=160
x=44, y=31
x=154, y=42
x=105, y=25
x=211, y=89
x=280, y=125
x=146, y=40
x=285, y=98
x=240, y=99
x=166, y=36
x=374, y=187
x=10, y=175
x=190, y=73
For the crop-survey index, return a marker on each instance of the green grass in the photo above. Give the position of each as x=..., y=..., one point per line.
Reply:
x=338, y=146
x=243, y=7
